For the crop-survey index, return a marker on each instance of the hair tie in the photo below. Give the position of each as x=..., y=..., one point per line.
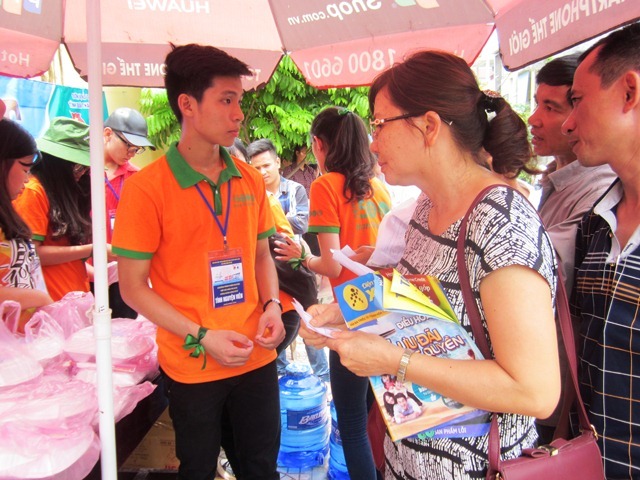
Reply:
x=344, y=111
x=490, y=99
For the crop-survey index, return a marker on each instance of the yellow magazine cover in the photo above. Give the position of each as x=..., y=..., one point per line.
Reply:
x=414, y=315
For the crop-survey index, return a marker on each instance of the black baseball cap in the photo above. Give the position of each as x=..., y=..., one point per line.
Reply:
x=132, y=125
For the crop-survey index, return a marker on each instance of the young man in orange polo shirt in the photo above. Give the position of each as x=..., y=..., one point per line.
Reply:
x=194, y=258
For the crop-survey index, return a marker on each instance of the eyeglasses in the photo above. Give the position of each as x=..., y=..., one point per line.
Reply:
x=377, y=123
x=131, y=149
x=36, y=159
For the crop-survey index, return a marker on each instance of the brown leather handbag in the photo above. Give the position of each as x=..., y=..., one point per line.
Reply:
x=577, y=457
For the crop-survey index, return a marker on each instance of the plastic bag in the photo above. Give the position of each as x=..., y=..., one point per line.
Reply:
x=31, y=452
x=134, y=352
x=130, y=339
x=16, y=365
x=125, y=399
x=44, y=338
x=55, y=401
x=72, y=312
x=10, y=314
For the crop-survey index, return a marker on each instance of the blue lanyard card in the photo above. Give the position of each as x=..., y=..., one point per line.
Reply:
x=227, y=277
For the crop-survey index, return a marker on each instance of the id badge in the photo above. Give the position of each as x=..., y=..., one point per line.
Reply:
x=227, y=278
x=112, y=219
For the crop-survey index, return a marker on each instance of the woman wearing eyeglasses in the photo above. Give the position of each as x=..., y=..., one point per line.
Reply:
x=433, y=130
x=347, y=204
x=56, y=205
x=21, y=277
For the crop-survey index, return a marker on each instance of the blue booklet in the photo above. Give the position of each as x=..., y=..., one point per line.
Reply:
x=409, y=409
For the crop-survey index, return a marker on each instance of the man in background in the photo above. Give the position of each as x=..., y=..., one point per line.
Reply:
x=604, y=128
x=295, y=203
x=292, y=195
x=125, y=136
x=570, y=189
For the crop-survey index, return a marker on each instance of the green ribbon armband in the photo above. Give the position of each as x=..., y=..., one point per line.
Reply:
x=193, y=343
x=296, y=263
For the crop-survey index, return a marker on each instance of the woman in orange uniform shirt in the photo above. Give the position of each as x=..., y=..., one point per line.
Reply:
x=347, y=205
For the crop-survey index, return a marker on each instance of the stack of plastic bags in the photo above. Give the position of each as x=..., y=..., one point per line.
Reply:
x=48, y=401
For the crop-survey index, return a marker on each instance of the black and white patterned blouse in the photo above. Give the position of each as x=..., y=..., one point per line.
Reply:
x=503, y=230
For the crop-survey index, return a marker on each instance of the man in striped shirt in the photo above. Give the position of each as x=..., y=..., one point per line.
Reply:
x=604, y=127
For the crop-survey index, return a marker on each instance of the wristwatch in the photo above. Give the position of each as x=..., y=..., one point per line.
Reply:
x=274, y=300
x=404, y=363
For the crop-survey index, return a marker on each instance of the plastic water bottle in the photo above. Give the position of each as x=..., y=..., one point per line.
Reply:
x=337, y=463
x=304, y=441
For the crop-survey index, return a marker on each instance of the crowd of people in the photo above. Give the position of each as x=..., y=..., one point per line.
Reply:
x=191, y=235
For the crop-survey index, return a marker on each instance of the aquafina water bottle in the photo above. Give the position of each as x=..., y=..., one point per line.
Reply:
x=337, y=464
x=304, y=441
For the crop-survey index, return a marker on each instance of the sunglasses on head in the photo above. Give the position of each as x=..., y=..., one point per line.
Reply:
x=37, y=157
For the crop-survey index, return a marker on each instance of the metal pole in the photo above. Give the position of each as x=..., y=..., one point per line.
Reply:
x=101, y=312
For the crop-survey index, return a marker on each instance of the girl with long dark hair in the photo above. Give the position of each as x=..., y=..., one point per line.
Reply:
x=347, y=205
x=20, y=273
x=56, y=205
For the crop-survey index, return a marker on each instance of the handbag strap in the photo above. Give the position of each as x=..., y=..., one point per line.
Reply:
x=562, y=311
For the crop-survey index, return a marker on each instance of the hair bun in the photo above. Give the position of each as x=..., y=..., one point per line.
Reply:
x=489, y=100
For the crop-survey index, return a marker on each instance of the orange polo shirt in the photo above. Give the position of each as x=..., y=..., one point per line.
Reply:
x=282, y=226
x=163, y=218
x=33, y=206
x=355, y=222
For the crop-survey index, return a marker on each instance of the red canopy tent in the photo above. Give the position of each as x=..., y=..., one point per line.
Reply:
x=334, y=43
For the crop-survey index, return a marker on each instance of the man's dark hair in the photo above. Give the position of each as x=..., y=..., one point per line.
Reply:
x=260, y=146
x=192, y=68
x=620, y=53
x=559, y=72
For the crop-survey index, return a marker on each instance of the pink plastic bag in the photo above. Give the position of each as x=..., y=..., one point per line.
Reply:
x=10, y=314
x=130, y=340
x=44, y=338
x=55, y=401
x=16, y=365
x=125, y=399
x=31, y=452
x=72, y=312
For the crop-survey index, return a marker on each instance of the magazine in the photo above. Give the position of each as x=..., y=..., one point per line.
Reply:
x=414, y=315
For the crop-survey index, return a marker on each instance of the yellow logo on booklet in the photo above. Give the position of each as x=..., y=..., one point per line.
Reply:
x=355, y=298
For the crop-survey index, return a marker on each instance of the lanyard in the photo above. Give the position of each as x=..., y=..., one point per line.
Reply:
x=113, y=190
x=223, y=230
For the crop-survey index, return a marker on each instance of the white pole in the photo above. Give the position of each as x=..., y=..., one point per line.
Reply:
x=101, y=312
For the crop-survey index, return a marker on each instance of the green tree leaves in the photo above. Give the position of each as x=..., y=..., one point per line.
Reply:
x=282, y=111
